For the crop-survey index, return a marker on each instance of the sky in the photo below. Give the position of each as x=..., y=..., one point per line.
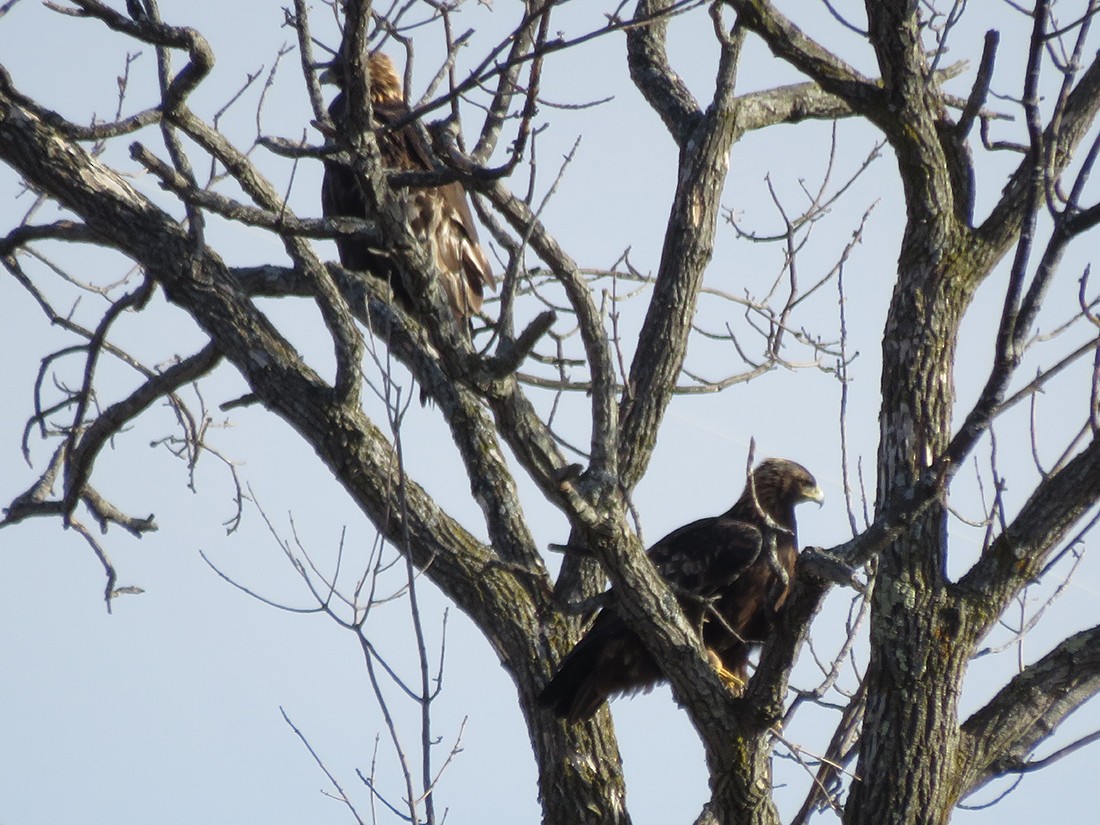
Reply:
x=171, y=708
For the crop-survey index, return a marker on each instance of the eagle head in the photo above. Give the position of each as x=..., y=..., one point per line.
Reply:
x=385, y=83
x=781, y=484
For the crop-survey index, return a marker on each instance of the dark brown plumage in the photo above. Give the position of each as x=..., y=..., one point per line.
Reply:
x=438, y=215
x=723, y=560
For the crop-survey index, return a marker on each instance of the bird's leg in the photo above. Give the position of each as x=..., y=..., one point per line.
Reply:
x=731, y=680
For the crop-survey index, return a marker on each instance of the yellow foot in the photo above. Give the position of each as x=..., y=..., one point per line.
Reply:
x=731, y=680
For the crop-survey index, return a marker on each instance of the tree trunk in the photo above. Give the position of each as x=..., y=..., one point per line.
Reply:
x=910, y=728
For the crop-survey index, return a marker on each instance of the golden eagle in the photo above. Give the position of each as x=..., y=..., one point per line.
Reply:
x=722, y=571
x=438, y=215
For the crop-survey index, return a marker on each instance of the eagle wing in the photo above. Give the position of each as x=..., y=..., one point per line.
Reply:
x=708, y=555
x=731, y=574
x=439, y=215
x=342, y=195
x=700, y=561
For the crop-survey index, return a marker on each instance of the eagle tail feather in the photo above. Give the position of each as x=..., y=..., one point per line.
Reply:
x=574, y=693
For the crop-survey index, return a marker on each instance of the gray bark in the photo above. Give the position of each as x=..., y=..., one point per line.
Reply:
x=916, y=759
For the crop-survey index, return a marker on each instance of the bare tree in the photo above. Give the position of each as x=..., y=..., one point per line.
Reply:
x=561, y=336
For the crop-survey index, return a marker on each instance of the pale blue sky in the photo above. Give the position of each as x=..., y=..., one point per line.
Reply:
x=168, y=710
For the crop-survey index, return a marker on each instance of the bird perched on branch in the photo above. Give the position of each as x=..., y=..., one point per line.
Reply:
x=439, y=216
x=731, y=573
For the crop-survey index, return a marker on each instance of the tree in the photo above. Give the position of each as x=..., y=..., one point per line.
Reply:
x=555, y=348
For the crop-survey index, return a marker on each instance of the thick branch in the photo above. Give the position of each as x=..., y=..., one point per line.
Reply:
x=687, y=250
x=999, y=738
x=347, y=341
x=650, y=70
x=472, y=430
x=160, y=34
x=281, y=220
x=356, y=451
x=789, y=104
x=605, y=422
x=372, y=303
x=906, y=105
x=789, y=43
x=1017, y=555
x=653, y=612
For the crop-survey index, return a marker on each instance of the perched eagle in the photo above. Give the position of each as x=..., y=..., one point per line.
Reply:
x=438, y=215
x=720, y=569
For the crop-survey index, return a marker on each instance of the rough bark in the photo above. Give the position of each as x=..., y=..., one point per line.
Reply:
x=505, y=604
x=916, y=760
x=922, y=630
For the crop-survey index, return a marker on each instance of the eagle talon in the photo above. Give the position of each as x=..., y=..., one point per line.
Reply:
x=731, y=680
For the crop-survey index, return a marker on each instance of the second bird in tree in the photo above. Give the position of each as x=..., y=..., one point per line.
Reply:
x=439, y=216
